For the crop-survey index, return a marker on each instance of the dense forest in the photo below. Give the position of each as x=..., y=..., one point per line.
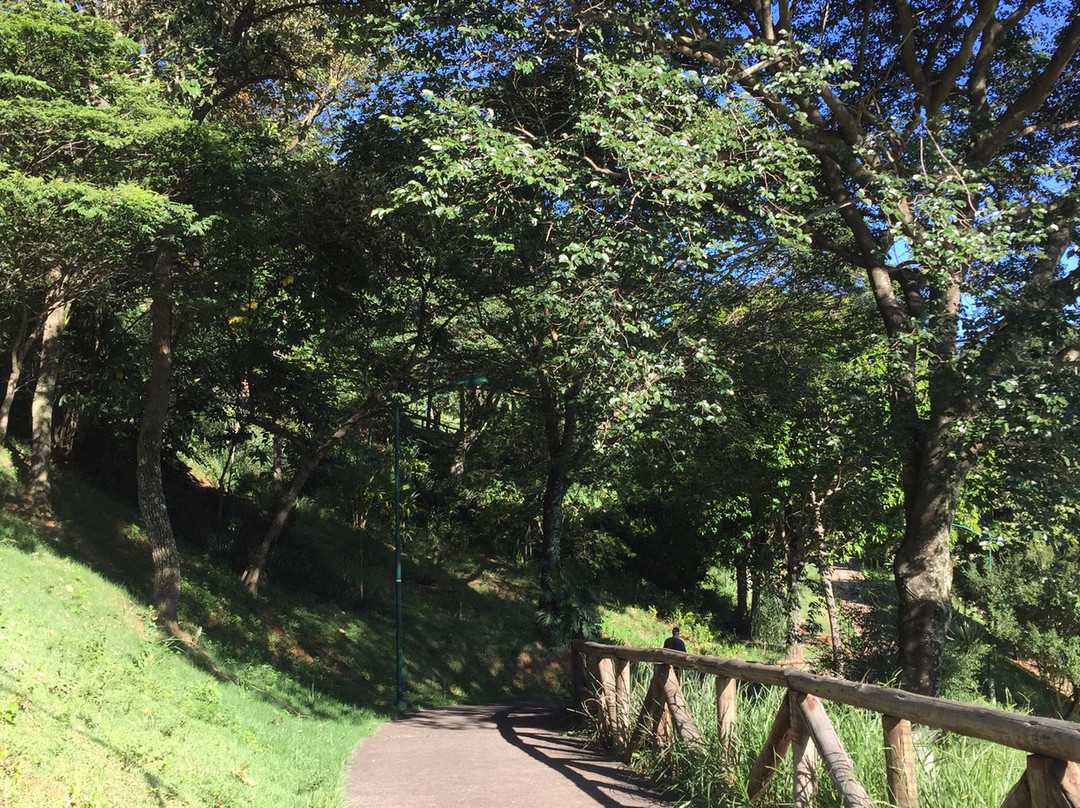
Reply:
x=657, y=291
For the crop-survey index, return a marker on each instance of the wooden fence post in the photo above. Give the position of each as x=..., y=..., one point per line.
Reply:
x=837, y=762
x=593, y=706
x=577, y=679
x=682, y=721
x=663, y=726
x=602, y=689
x=622, y=702
x=727, y=696
x=804, y=757
x=606, y=676
x=1053, y=783
x=650, y=717
x=900, y=762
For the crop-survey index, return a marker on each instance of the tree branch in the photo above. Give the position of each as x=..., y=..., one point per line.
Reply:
x=944, y=86
x=1031, y=98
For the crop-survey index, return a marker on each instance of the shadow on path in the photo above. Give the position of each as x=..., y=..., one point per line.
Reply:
x=489, y=755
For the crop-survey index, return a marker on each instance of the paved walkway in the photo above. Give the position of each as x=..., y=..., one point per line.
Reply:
x=492, y=756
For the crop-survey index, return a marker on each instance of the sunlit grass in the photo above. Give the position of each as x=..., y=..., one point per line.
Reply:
x=98, y=709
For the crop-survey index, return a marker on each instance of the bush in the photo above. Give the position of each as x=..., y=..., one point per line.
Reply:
x=1031, y=599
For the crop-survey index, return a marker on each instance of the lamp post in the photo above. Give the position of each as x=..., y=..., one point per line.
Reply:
x=472, y=381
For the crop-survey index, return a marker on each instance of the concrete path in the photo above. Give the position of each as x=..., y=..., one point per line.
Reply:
x=492, y=756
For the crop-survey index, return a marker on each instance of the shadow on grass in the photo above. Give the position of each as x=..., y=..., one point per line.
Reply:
x=465, y=641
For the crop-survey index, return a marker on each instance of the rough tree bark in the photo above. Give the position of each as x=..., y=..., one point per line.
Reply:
x=826, y=567
x=923, y=567
x=152, y=507
x=742, y=598
x=39, y=488
x=795, y=542
x=935, y=72
x=469, y=433
x=561, y=433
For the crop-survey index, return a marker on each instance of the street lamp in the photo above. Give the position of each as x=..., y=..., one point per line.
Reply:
x=472, y=381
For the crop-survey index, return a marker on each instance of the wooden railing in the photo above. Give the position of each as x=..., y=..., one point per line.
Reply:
x=602, y=688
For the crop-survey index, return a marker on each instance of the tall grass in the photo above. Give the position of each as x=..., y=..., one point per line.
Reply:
x=952, y=770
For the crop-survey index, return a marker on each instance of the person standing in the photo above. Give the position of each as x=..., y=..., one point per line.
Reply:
x=674, y=642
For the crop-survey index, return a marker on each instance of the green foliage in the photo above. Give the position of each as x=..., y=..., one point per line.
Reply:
x=569, y=611
x=671, y=261
x=1031, y=597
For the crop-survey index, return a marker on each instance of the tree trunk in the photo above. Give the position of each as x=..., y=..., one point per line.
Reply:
x=279, y=466
x=796, y=561
x=465, y=441
x=40, y=483
x=742, y=599
x=561, y=432
x=152, y=507
x=469, y=433
x=826, y=568
x=551, y=528
x=226, y=468
x=923, y=565
x=253, y=574
x=755, y=600
x=21, y=343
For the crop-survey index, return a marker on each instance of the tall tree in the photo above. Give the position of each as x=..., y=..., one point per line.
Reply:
x=933, y=148
x=80, y=126
x=943, y=156
x=268, y=70
x=576, y=283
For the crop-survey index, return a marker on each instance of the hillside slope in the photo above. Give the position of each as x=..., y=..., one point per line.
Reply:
x=97, y=708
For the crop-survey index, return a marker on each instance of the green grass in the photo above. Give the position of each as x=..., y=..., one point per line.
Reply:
x=97, y=708
x=953, y=770
x=645, y=627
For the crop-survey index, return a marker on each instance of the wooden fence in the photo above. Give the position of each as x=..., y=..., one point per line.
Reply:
x=602, y=685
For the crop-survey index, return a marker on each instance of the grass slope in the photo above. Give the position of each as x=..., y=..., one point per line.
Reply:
x=98, y=709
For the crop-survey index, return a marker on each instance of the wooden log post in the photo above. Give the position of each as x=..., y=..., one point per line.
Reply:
x=1052, y=783
x=682, y=722
x=622, y=703
x=1019, y=796
x=900, y=762
x=727, y=693
x=606, y=676
x=804, y=758
x=836, y=759
x=1044, y=736
x=649, y=719
x=664, y=733
x=772, y=754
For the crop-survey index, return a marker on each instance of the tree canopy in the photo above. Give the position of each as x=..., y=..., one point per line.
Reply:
x=766, y=285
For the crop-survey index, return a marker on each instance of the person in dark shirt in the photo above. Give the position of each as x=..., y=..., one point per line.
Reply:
x=674, y=642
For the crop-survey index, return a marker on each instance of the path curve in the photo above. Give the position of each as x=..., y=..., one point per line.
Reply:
x=489, y=756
